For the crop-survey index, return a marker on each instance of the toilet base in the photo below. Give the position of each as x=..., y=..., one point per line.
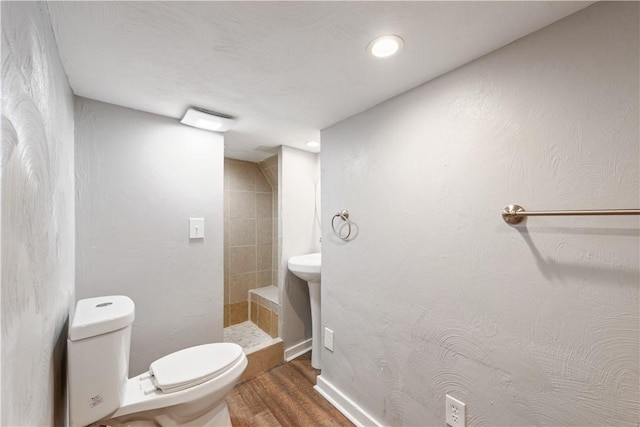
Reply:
x=216, y=416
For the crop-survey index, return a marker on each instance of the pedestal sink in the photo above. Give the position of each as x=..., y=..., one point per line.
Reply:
x=307, y=267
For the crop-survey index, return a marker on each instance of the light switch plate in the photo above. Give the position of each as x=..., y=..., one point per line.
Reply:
x=328, y=339
x=196, y=228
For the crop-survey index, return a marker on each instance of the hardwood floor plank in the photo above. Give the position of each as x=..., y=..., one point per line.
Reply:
x=284, y=409
x=303, y=365
x=252, y=401
x=283, y=397
x=266, y=419
x=239, y=412
x=312, y=403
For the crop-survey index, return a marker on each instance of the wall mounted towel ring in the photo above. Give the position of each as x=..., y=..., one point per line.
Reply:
x=344, y=216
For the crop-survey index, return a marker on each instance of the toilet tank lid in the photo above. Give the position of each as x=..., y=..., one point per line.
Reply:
x=97, y=316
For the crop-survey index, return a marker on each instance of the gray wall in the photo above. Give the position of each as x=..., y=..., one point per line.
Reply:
x=534, y=325
x=37, y=242
x=139, y=178
x=299, y=174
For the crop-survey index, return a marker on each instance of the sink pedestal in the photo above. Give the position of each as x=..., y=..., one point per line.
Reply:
x=307, y=268
x=316, y=323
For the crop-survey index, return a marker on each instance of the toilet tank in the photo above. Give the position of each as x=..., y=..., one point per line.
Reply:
x=98, y=357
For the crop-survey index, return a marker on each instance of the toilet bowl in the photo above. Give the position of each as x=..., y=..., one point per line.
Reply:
x=185, y=388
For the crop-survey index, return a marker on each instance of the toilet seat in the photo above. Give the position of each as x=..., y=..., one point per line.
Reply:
x=141, y=394
x=192, y=366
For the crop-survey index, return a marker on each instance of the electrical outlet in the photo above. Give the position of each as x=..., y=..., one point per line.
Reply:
x=456, y=412
x=328, y=339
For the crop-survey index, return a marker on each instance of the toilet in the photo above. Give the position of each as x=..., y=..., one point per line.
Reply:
x=185, y=388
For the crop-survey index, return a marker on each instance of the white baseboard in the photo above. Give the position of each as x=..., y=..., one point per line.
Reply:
x=297, y=350
x=348, y=407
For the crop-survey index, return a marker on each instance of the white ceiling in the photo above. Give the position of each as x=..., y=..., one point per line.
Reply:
x=285, y=69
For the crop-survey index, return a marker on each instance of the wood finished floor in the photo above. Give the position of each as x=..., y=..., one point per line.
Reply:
x=283, y=396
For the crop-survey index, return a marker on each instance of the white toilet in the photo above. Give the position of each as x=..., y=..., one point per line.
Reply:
x=185, y=388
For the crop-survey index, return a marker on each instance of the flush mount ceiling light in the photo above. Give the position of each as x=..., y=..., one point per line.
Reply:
x=207, y=120
x=313, y=144
x=385, y=46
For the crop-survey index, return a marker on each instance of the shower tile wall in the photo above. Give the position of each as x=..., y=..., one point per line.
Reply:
x=248, y=228
x=270, y=169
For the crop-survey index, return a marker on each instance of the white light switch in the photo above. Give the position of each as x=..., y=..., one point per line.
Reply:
x=328, y=338
x=196, y=228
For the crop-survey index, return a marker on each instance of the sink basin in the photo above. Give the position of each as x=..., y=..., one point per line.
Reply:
x=306, y=267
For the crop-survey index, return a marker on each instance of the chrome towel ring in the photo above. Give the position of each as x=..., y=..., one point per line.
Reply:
x=344, y=216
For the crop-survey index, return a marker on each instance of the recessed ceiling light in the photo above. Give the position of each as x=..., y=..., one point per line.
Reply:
x=313, y=144
x=207, y=120
x=385, y=46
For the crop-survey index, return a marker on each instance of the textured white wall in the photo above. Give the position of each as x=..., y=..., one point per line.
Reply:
x=534, y=325
x=37, y=218
x=139, y=178
x=299, y=174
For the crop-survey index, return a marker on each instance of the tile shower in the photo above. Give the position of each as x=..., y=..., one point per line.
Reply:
x=251, y=306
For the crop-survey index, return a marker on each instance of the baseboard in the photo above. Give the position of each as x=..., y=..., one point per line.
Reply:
x=342, y=403
x=297, y=350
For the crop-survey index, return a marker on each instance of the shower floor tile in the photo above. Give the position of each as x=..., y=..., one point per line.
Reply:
x=247, y=335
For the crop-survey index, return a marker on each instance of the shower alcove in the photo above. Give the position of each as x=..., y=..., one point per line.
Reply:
x=252, y=309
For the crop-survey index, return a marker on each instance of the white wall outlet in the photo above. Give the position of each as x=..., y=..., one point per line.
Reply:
x=456, y=412
x=196, y=228
x=328, y=339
